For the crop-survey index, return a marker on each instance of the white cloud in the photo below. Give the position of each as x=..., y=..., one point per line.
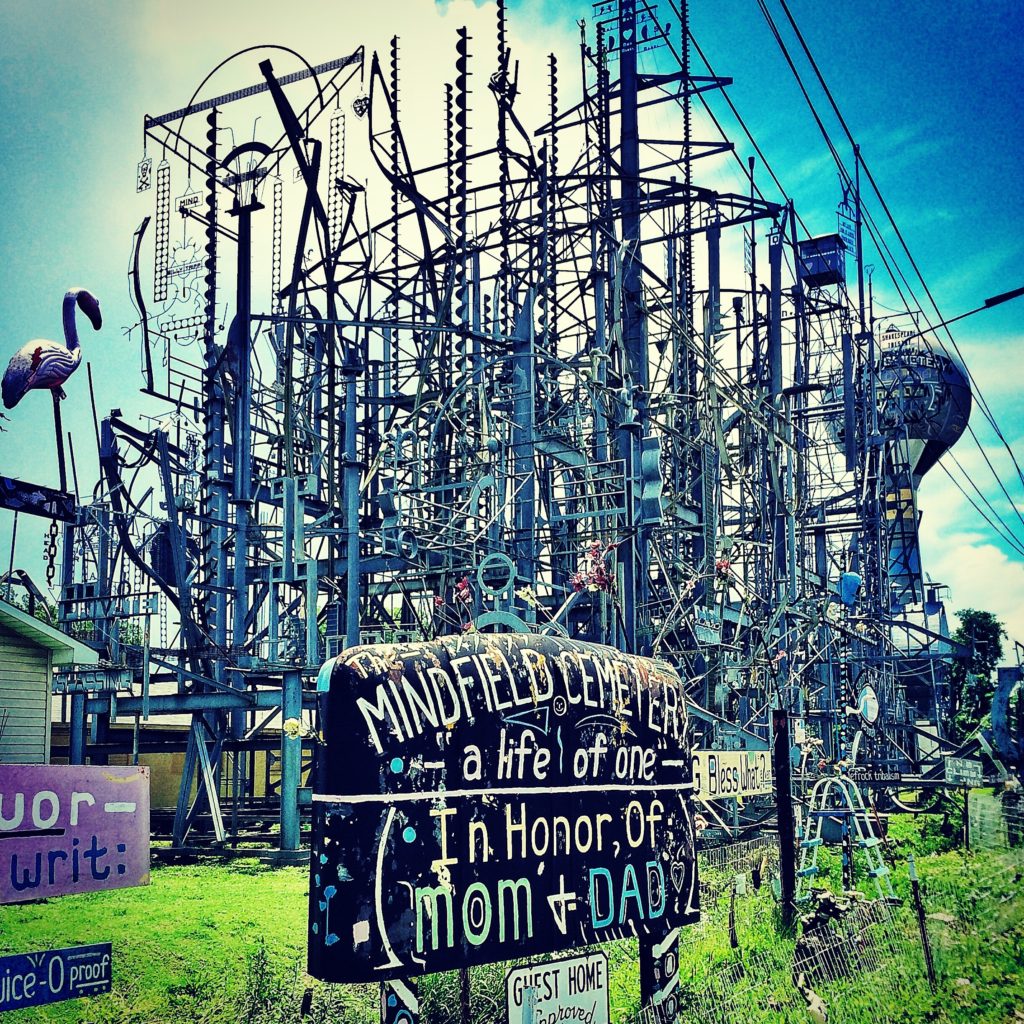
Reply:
x=958, y=549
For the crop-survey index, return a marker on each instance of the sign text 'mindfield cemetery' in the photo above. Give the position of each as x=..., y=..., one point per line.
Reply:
x=487, y=797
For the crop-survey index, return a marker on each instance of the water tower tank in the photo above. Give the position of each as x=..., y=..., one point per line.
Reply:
x=924, y=397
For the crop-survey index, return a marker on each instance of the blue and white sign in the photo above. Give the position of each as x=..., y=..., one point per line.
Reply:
x=35, y=979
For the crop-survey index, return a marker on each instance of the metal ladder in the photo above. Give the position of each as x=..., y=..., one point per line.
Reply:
x=847, y=805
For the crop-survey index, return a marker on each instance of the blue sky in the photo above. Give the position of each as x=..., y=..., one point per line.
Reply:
x=930, y=91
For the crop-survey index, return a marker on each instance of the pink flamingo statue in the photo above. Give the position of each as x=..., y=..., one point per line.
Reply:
x=42, y=364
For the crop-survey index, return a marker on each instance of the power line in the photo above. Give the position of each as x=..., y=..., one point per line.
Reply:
x=881, y=244
x=1019, y=549
x=899, y=234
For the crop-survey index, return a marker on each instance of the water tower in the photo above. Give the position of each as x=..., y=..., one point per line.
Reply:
x=924, y=403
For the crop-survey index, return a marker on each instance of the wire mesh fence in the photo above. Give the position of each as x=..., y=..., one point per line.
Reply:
x=855, y=960
x=996, y=822
x=865, y=966
x=868, y=967
x=744, y=856
x=956, y=906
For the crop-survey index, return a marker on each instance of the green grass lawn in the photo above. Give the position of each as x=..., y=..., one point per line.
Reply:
x=199, y=944
x=222, y=943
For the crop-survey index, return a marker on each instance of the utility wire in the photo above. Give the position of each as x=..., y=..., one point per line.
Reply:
x=879, y=240
x=899, y=234
x=1009, y=540
x=967, y=476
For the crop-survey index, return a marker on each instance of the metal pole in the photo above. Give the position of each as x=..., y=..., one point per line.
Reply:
x=241, y=442
x=351, y=496
x=754, y=320
x=633, y=549
x=529, y=1004
x=524, y=484
x=59, y=431
x=10, y=567
x=291, y=761
x=784, y=804
x=775, y=241
x=922, y=925
x=860, y=238
x=967, y=819
x=76, y=739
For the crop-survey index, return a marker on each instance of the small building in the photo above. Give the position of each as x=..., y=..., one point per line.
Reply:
x=29, y=651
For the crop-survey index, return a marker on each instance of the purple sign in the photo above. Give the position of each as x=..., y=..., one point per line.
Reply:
x=72, y=828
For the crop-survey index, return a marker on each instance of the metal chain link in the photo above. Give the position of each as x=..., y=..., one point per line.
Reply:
x=51, y=553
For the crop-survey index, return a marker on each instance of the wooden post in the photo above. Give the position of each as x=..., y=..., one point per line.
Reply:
x=784, y=804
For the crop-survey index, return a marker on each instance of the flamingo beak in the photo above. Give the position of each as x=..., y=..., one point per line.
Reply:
x=90, y=306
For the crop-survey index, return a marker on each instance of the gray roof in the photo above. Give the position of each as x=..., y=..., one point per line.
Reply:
x=66, y=649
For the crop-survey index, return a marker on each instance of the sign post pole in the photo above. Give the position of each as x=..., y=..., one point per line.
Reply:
x=784, y=802
x=399, y=1002
x=529, y=1005
x=659, y=976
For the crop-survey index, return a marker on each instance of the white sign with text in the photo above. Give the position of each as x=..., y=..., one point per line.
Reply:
x=559, y=991
x=726, y=774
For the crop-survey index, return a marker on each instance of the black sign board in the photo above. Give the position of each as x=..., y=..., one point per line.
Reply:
x=36, y=500
x=488, y=797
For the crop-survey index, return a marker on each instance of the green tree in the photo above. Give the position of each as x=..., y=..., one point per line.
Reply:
x=44, y=611
x=971, y=679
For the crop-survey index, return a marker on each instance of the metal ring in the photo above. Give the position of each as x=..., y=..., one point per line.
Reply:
x=493, y=560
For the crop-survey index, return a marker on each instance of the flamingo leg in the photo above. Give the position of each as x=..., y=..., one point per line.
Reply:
x=57, y=395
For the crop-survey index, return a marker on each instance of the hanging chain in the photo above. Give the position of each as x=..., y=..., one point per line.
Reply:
x=51, y=553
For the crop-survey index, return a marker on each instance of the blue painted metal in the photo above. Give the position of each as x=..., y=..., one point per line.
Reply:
x=468, y=384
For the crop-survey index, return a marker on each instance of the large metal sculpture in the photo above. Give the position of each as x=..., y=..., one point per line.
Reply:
x=514, y=385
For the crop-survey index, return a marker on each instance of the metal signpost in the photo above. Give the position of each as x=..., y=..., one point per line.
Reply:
x=573, y=989
x=486, y=797
x=71, y=829
x=35, y=979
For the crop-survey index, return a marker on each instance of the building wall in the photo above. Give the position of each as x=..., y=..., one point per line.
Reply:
x=24, y=701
